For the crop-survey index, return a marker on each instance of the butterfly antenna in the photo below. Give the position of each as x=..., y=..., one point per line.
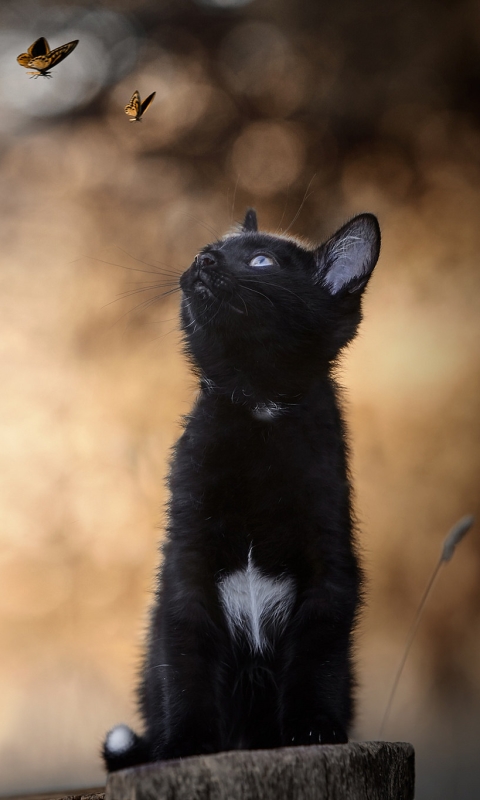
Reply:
x=454, y=536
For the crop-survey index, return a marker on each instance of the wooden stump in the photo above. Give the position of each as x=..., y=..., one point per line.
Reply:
x=354, y=771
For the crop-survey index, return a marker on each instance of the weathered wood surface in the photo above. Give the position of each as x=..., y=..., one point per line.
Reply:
x=98, y=793
x=354, y=771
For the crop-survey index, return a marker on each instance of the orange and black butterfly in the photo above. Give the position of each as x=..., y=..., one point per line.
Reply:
x=40, y=58
x=135, y=108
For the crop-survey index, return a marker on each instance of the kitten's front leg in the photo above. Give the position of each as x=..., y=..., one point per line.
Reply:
x=316, y=703
x=190, y=685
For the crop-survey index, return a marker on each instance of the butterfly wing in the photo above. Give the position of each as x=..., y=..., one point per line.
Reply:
x=146, y=103
x=40, y=47
x=24, y=59
x=39, y=62
x=59, y=53
x=133, y=108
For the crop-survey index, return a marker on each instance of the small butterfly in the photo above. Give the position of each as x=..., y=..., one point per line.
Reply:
x=41, y=59
x=135, y=108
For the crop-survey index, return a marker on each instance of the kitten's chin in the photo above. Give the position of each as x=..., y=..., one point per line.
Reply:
x=200, y=288
x=187, y=312
x=197, y=315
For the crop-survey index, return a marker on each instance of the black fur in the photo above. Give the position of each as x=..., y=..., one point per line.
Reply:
x=261, y=464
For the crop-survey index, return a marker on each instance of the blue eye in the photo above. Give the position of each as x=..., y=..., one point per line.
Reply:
x=262, y=261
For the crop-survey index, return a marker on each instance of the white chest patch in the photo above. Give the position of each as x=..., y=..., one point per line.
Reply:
x=267, y=412
x=256, y=607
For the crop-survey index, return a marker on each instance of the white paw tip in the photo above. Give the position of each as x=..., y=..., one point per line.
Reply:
x=119, y=739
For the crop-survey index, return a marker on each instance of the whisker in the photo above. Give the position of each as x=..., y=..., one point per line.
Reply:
x=122, y=266
x=167, y=333
x=150, y=301
x=277, y=286
x=162, y=321
x=166, y=281
x=249, y=289
x=234, y=197
x=147, y=263
x=305, y=198
x=222, y=303
x=130, y=292
x=204, y=225
x=244, y=303
x=145, y=302
x=279, y=227
x=193, y=321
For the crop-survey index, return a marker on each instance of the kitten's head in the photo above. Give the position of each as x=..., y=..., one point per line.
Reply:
x=264, y=316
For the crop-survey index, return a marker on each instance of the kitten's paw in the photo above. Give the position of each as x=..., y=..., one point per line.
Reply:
x=195, y=736
x=321, y=730
x=188, y=746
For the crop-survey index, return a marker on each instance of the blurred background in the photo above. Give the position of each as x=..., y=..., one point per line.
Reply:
x=311, y=112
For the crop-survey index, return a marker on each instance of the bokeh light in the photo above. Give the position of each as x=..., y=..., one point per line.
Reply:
x=267, y=157
x=259, y=61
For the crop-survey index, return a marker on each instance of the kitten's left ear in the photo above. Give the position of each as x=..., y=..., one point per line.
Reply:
x=250, y=224
x=346, y=261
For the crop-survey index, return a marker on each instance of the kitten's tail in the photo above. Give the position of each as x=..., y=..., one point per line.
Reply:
x=123, y=748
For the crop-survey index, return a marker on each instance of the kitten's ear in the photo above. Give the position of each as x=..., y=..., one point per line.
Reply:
x=250, y=222
x=346, y=261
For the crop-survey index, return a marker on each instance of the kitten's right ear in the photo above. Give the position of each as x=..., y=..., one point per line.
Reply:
x=250, y=224
x=346, y=261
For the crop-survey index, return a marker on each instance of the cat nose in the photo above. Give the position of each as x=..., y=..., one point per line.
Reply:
x=206, y=260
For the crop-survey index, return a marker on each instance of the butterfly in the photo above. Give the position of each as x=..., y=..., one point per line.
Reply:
x=135, y=108
x=41, y=59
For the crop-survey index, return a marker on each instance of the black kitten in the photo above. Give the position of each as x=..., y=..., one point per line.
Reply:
x=251, y=630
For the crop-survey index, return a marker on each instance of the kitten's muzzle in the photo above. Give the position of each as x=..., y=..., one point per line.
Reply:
x=206, y=276
x=212, y=280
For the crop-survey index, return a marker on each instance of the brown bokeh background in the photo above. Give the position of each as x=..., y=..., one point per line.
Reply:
x=312, y=112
